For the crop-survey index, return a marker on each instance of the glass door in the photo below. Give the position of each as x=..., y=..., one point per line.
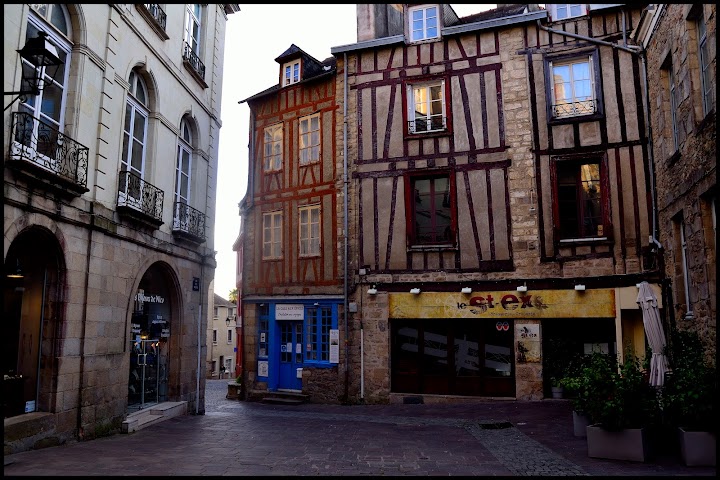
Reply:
x=144, y=373
x=291, y=357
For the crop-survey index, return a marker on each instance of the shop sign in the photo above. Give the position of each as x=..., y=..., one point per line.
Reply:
x=287, y=311
x=165, y=332
x=594, y=303
x=527, y=336
x=141, y=297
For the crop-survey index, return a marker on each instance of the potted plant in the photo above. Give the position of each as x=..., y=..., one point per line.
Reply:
x=235, y=389
x=621, y=405
x=689, y=398
x=574, y=388
x=557, y=355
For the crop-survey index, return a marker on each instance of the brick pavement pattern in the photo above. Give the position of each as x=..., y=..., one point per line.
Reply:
x=490, y=438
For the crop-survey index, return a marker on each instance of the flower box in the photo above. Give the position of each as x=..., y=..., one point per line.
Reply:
x=626, y=444
x=698, y=448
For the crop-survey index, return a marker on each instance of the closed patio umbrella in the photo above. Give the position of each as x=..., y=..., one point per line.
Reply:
x=647, y=301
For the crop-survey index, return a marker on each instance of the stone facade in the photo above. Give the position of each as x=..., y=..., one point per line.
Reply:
x=85, y=261
x=686, y=176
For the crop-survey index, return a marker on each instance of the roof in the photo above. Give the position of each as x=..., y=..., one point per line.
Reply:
x=498, y=12
x=312, y=70
x=219, y=301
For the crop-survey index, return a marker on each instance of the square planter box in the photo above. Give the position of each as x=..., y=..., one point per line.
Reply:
x=580, y=423
x=628, y=444
x=698, y=448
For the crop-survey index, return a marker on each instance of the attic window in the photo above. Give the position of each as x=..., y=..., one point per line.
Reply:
x=291, y=73
x=424, y=23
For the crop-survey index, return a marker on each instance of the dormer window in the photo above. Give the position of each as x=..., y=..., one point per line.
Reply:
x=291, y=73
x=560, y=11
x=424, y=23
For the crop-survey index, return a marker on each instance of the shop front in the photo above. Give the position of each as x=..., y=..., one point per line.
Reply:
x=492, y=343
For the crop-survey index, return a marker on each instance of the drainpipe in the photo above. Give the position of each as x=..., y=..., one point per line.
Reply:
x=199, y=349
x=640, y=52
x=345, y=226
x=81, y=383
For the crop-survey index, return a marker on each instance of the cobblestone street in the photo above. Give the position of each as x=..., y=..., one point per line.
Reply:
x=240, y=438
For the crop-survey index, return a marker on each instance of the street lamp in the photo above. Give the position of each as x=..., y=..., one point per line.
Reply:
x=40, y=54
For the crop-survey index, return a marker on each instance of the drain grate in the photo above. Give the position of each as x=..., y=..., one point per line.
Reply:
x=495, y=426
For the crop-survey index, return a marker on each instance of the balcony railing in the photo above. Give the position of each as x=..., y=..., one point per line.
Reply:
x=571, y=109
x=136, y=194
x=157, y=13
x=188, y=222
x=44, y=146
x=423, y=125
x=190, y=57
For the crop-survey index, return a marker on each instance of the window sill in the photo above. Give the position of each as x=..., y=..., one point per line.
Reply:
x=272, y=259
x=309, y=256
x=195, y=74
x=705, y=122
x=577, y=241
x=575, y=118
x=432, y=247
x=431, y=134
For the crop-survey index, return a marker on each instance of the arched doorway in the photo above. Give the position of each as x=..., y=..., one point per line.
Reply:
x=31, y=301
x=149, y=377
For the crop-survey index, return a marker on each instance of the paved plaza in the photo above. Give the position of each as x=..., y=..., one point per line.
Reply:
x=254, y=439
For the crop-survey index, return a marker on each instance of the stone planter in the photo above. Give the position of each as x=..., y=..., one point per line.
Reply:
x=580, y=423
x=234, y=391
x=697, y=448
x=628, y=444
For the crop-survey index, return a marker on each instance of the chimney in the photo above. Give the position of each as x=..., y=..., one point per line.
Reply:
x=378, y=20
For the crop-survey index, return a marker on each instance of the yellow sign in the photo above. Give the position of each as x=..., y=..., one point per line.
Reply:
x=533, y=304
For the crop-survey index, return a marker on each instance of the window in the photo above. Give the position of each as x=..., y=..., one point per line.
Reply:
x=309, y=225
x=192, y=27
x=572, y=87
x=134, y=137
x=319, y=321
x=680, y=225
x=673, y=107
x=272, y=235
x=273, y=148
x=263, y=317
x=214, y=337
x=426, y=107
x=568, y=10
x=424, y=23
x=291, y=73
x=229, y=336
x=310, y=139
x=184, y=163
x=48, y=108
x=580, y=211
x=215, y=313
x=705, y=69
x=431, y=205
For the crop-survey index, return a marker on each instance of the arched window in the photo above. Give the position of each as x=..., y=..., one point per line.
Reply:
x=184, y=163
x=45, y=112
x=134, y=138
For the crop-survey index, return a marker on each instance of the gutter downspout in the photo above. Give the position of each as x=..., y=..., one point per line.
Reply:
x=199, y=322
x=81, y=383
x=345, y=230
x=640, y=52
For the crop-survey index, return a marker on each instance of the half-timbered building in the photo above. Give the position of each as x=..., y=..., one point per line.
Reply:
x=292, y=288
x=499, y=195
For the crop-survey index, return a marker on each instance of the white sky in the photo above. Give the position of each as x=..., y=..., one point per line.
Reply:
x=255, y=36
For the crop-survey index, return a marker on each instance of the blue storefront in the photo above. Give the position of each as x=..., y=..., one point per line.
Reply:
x=294, y=334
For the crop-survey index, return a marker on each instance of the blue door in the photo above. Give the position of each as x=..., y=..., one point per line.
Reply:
x=291, y=357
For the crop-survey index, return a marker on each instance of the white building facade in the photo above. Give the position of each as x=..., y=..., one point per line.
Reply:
x=109, y=205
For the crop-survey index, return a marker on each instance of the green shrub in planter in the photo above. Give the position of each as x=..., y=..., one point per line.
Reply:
x=689, y=395
x=617, y=397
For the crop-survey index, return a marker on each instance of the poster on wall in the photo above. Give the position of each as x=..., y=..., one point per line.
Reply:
x=334, y=345
x=263, y=368
x=527, y=338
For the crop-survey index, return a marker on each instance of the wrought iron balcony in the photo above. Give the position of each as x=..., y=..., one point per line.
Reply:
x=157, y=13
x=40, y=147
x=422, y=125
x=572, y=109
x=139, y=198
x=188, y=222
x=193, y=60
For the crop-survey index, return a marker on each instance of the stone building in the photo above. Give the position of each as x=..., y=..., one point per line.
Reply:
x=292, y=271
x=222, y=328
x=109, y=207
x=498, y=215
x=680, y=45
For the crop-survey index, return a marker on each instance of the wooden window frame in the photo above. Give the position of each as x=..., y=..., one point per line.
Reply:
x=308, y=230
x=310, y=145
x=272, y=241
x=268, y=159
x=593, y=60
x=553, y=10
x=410, y=179
x=409, y=100
x=291, y=72
x=425, y=36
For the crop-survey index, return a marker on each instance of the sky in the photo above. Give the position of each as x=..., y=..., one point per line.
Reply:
x=254, y=37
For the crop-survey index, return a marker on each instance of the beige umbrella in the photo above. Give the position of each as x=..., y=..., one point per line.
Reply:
x=647, y=301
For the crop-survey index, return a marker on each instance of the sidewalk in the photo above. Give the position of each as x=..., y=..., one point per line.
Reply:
x=241, y=438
